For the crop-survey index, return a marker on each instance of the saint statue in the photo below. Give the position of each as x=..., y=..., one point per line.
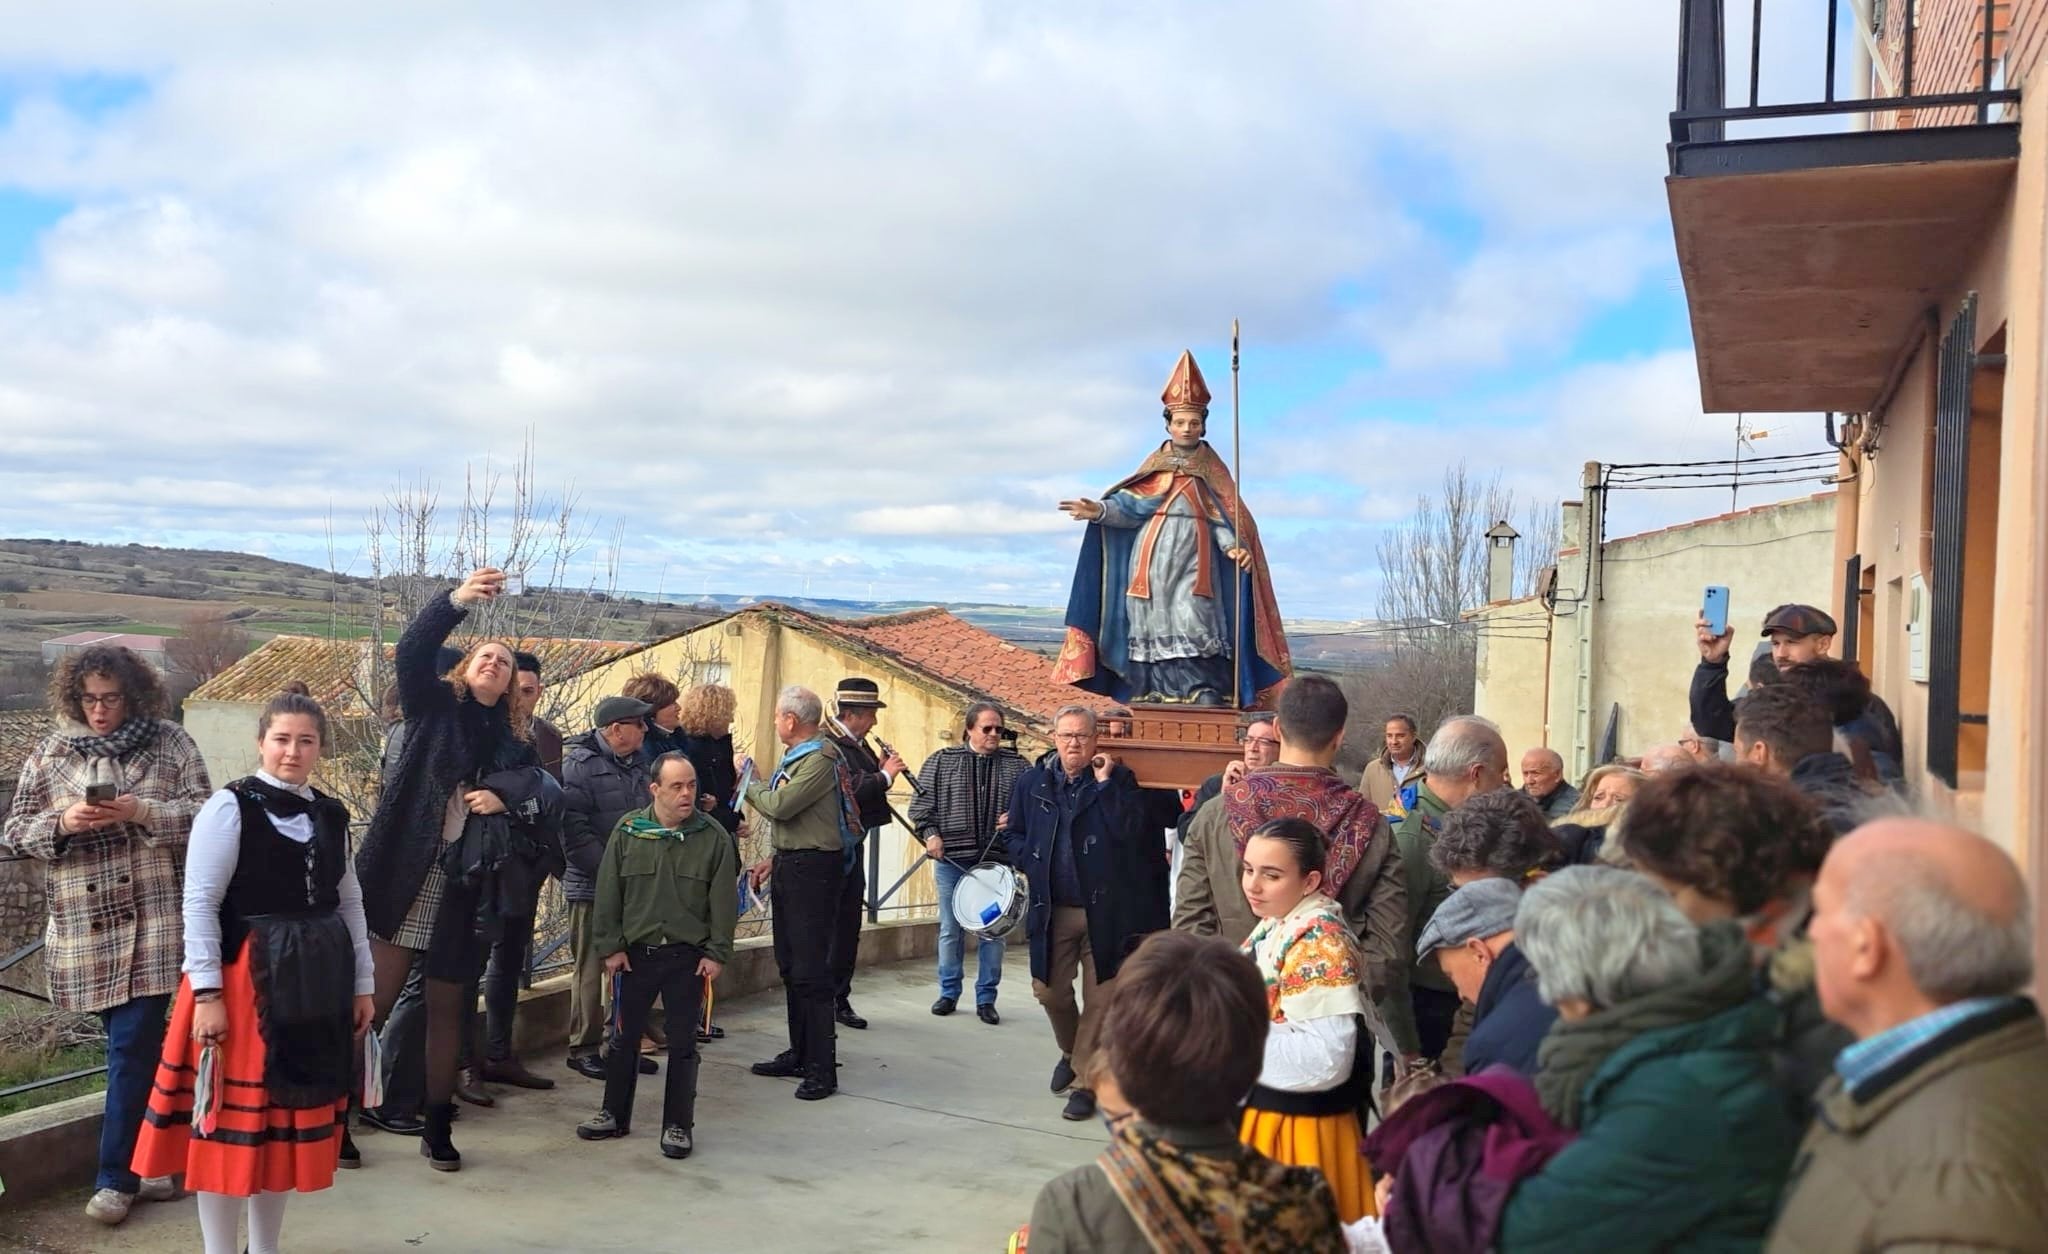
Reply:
x=1171, y=601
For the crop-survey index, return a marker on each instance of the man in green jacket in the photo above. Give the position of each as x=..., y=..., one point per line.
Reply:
x=1933, y=1132
x=667, y=903
x=814, y=833
x=1467, y=756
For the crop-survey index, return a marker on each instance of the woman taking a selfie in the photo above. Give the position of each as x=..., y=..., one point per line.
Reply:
x=461, y=727
x=105, y=803
x=1304, y=1109
x=277, y=981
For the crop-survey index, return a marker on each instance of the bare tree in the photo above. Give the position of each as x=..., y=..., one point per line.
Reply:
x=1433, y=568
x=210, y=643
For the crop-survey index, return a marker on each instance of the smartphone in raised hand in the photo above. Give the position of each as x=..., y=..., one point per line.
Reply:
x=1714, y=609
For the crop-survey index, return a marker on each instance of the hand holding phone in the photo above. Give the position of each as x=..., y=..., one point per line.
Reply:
x=1711, y=628
x=100, y=794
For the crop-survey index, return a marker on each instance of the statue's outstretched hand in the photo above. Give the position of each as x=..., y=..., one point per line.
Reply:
x=1242, y=556
x=1083, y=509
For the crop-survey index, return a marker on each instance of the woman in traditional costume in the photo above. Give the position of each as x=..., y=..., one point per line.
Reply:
x=275, y=996
x=1304, y=1109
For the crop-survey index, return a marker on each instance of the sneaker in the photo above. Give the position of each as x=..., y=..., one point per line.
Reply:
x=158, y=1189
x=676, y=1142
x=785, y=1063
x=1063, y=1076
x=600, y=1127
x=1080, y=1105
x=110, y=1206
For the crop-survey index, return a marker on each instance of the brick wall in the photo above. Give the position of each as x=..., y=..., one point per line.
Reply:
x=1948, y=51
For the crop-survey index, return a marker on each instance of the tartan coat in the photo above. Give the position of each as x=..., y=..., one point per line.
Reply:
x=116, y=927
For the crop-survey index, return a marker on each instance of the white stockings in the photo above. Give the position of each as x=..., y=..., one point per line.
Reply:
x=220, y=1218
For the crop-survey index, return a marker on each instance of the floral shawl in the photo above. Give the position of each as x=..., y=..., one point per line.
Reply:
x=1310, y=963
x=1245, y=1203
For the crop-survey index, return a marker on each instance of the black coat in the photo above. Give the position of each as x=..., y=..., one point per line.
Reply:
x=597, y=791
x=449, y=741
x=1119, y=853
x=717, y=774
x=1510, y=1020
x=870, y=785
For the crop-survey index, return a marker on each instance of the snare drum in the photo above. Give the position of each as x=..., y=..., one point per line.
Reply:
x=990, y=900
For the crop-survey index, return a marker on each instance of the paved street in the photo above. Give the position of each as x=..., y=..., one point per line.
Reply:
x=942, y=1133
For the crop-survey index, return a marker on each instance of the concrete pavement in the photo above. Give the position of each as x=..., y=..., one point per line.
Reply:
x=940, y=1137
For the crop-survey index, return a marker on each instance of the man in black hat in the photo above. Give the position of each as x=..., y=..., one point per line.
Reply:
x=857, y=703
x=1800, y=636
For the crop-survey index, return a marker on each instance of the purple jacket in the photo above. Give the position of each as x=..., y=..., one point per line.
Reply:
x=1456, y=1154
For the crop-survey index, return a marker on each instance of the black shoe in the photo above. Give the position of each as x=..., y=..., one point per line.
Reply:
x=987, y=1012
x=707, y=1035
x=945, y=1006
x=820, y=1082
x=471, y=1090
x=847, y=1018
x=351, y=1157
x=399, y=1125
x=1063, y=1076
x=648, y=1066
x=676, y=1142
x=513, y=1072
x=600, y=1127
x=783, y=1064
x=436, y=1146
x=589, y=1066
x=1080, y=1105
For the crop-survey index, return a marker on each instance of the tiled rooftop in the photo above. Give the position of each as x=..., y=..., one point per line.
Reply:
x=952, y=649
x=329, y=668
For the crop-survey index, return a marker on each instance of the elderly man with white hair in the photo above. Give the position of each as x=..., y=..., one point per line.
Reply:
x=1933, y=1132
x=815, y=835
x=1661, y=1062
x=1466, y=757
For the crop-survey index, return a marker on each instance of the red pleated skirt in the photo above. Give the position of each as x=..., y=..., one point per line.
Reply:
x=256, y=1147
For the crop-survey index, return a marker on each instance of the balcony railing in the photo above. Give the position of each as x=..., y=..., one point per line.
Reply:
x=1703, y=111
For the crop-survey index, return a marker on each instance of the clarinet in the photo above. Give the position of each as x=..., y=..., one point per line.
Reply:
x=909, y=776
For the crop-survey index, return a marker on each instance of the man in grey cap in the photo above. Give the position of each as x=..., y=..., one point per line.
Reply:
x=603, y=779
x=1798, y=633
x=1472, y=935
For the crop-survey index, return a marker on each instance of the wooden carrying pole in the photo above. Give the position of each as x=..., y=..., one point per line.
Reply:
x=1237, y=529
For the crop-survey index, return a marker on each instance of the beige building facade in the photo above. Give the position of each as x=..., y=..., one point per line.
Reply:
x=1606, y=651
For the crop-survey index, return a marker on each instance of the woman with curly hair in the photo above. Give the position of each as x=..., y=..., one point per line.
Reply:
x=1496, y=834
x=704, y=733
x=106, y=803
x=466, y=753
x=1732, y=842
x=662, y=695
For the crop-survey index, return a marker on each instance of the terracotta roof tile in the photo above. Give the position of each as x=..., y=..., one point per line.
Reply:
x=330, y=669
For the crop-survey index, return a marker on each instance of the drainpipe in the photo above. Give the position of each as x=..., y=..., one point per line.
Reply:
x=1592, y=536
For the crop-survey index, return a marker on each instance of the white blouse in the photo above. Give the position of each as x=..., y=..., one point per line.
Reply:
x=1312, y=1056
x=210, y=864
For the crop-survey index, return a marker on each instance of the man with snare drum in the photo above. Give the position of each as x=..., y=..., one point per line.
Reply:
x=961, y=810
x=1080, y=833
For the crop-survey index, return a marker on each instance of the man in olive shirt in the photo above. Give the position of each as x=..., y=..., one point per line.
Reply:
x=665, y=912
x=815, y=834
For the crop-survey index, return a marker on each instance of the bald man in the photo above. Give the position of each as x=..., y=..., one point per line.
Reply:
x=1543, y=780
x=1933, y=1132
x=1667, y=757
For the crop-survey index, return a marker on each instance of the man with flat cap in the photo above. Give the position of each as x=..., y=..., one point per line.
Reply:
x=1800, y=636
x=858, y=703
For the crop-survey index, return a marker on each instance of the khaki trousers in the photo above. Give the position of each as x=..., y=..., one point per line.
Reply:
x=1067, y=954
x=586, y=986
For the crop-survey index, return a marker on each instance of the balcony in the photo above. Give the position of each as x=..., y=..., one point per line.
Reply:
x=1813, y=234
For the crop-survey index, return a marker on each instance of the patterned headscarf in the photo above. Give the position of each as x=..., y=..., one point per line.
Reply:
x=1342, y=814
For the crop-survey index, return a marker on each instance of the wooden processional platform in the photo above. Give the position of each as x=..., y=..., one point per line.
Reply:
x=1175, y=746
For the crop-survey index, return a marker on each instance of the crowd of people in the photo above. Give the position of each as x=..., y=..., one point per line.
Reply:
x=1712, y=998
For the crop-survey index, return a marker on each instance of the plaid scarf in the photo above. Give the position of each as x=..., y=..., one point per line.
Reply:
x=1340, y=813
x=1244, y=1203
x=136, y=733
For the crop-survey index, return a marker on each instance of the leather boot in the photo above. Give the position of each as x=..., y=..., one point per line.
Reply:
x=469, y=1087
x=436, y=1143
x=821, y=1080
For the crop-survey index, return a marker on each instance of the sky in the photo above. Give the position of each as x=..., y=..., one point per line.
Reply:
x=835, y=299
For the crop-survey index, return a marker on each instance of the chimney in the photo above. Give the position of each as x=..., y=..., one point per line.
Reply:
x=1500, y=561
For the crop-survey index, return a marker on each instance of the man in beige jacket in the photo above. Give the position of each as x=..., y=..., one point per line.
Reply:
x=1398, y=765
x=1933, y=1132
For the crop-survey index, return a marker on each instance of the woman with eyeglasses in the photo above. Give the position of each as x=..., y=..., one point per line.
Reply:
x=960, y=809
x=106, y=802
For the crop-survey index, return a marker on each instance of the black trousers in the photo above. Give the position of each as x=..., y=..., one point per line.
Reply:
x=1435, y=1013
x=805, y=894
x=508, y=957
x=846, y=928
x=670, y=973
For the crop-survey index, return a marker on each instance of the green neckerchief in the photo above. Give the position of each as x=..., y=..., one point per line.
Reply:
x=643, y=826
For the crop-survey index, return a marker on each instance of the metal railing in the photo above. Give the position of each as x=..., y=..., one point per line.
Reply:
x=1703, y=111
